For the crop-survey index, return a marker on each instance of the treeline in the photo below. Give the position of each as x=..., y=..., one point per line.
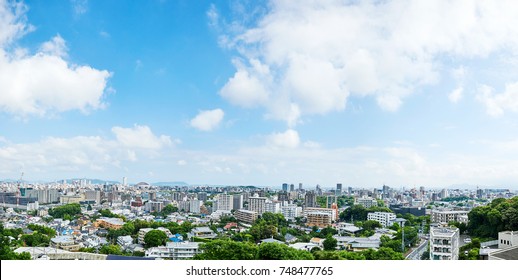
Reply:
x=233, y=250
x=500, y=215
x=359, y=213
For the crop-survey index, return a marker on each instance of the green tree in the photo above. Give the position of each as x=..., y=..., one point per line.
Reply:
x=50, y=232
x=277, y=251
x=227, y=250
x=155, y=238
x=371, y=225
x=261, y=230
x=65, y=211
x=35, y=239
x=330, y=243
x=382, y=253
x=111, y=250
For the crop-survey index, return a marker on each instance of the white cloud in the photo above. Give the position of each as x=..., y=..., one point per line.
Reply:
x=43, y=83
x=319, y=54
x=208, y=120
x=456, y=95
x=83, y=153
x=497, y=103
x=79, y=6
x=140, y=137
x=288, y=139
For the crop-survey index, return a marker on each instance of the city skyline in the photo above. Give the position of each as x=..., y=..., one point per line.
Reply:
x=401, y=93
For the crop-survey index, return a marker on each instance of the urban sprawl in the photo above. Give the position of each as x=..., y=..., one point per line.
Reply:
x=84, y=220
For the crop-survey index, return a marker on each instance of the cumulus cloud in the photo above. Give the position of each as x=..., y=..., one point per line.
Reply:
x=288, y=139
x=318, y=54
x=45, y=82
x=208, y=120
x=497, y=103
x=55, y=154
x=140, y=137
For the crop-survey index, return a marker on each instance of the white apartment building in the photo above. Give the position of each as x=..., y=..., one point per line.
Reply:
x=257, y=204
x=367, y=202
x=507, y=239
x=272, y=207
x=174, y=250
x=444, y=243
x=384, y=218
x=291, y=211
x=446, y=216
x=225, y=202
x=332, y=212
x=195, y=206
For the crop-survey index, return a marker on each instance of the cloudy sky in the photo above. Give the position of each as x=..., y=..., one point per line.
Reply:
x=366, y=93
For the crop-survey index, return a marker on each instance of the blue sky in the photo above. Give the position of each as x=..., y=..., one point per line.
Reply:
x=398, y=92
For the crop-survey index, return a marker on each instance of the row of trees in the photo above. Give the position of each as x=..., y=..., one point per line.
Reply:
x=232, y=250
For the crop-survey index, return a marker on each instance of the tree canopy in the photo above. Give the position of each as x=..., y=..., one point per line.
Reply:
x=67, y=211
x=500, y=215
x=155, y=238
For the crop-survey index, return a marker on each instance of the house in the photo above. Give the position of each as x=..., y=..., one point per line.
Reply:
x=202, y=232
x=124, y=241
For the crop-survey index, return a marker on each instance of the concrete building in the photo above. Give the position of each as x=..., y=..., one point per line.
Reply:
x=225, y=202
x=257, y=204
x=237, y=201
x=507, y=239
x=246, y=216
x=311, y=199
x=202, y=232
x=109, y=223
x=446, y=216
x=366, y=202
x=174, y=250
x=384, y=218
x=272, y=207
x=194, y=206
x=291, y=211
x=338, y=189
x=320, y=219
x=444, y=243
x=330, y=211
x=124, y=241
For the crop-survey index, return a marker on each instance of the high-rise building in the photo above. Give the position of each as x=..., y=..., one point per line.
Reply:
x=257, y=204
x=350, y=190
x=338, y=189
x=300, y=186
x=285, y=187
x=292, y=187
x=444, y=243
x=195, y=205
x=225, y=202
x=283, y=196
x=202, y=196
x=237, y=201
x=311, y=199
x=124, y=181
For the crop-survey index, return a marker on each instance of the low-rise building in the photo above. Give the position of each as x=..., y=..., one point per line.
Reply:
x=246, y=216
x=507, y=239
x=367, y=202
x=109, y=223
x=444, y=243
x=143, y=231
x=446, y=216
x=124, y=241
x=202, y=232
x=384, y=218
x=65, y=242
x=174, y=250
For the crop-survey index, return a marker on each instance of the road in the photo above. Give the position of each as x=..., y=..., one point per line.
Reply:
x=417, y=252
